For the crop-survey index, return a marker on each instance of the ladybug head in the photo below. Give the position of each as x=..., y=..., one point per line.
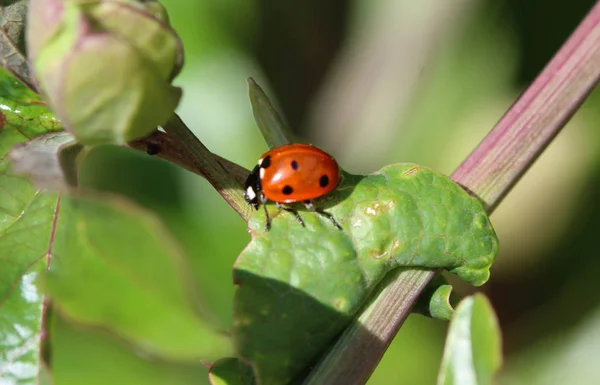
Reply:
x=253, y=188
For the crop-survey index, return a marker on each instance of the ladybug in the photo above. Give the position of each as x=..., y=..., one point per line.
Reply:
x=292, y=173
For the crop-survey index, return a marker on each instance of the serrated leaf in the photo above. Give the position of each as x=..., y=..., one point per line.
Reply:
x=118, y=268
x=26, y=225
x=106, y=360
x=230, y=371
x=473, y=351
x=298, y=287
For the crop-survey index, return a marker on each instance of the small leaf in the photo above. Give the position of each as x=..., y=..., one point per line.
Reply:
x=230, y=371
x=83, y=356
x=439, y=305
x=437, y=300
x=270, y=124
x=473, y=352
x=298, y=287
x=118, y=268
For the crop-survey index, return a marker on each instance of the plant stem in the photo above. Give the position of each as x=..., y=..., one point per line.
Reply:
x=521, y=135
x=489, y=172
x=166, y=147
x=180, y=146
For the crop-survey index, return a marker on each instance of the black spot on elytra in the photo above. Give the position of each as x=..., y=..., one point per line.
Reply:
x=294, y=165
x=287, y=190
x=266, y=162
x=323, y=181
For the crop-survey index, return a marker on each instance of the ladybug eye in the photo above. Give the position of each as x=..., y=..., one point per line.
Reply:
x=323, y=181
x=287, y=190
x=294, y=165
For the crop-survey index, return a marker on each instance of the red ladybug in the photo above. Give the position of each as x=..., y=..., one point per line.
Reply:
x=292, y=173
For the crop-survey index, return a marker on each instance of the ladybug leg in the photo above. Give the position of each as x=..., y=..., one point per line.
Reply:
x=268, y=222
x=293, y=211
x=311, y=207
x=263, y=202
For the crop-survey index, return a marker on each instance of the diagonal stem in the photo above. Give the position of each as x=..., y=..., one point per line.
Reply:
x=489, y=172
x=179, y=145
x=521, y=135
x=168, y=148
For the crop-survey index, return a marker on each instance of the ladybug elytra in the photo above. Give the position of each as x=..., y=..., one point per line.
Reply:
x=290, y=174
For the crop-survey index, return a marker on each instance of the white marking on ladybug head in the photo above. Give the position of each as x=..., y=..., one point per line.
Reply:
x=250, y=193
x=261, y=173
x=260, y=162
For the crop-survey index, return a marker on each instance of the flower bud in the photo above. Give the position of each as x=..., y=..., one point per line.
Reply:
x=105, y=66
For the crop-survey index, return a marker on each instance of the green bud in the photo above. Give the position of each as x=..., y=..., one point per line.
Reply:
x=105, y=67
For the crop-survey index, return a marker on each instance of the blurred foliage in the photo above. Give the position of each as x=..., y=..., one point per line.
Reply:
x=472, y=72
x=97, y=365
x=473, y=351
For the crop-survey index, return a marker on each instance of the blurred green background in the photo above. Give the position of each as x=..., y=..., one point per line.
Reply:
x=382, y=81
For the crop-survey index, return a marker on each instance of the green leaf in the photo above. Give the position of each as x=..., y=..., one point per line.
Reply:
x=270, y=124
x=473, y=352
x=437, y=300
x=15, y=95
x=118, y=268
x=298, y=287
x=12, y=25
x=26, y=225
x=135, y=285
x=440, y=305
x=230, y=371
x=82, y=356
